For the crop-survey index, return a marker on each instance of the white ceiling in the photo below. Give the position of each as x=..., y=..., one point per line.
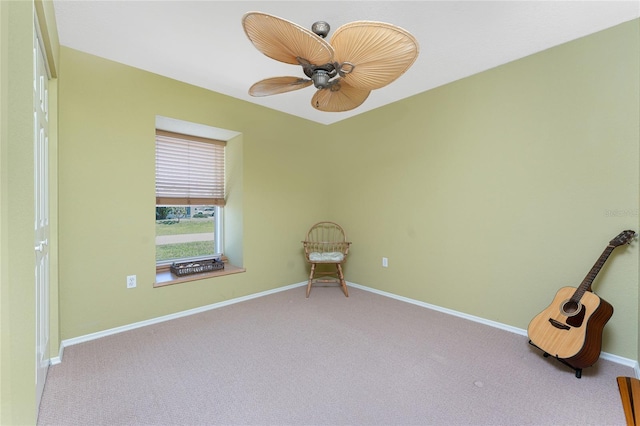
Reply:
x=202, y=42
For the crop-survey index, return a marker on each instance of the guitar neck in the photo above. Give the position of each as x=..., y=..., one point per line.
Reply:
x=588, y=280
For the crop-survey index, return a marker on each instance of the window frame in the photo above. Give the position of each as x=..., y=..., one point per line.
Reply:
x=176, y=186
x=163, y=275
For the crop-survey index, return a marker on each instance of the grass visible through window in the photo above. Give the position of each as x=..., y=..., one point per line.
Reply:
x=184, y=238
x=182, y=250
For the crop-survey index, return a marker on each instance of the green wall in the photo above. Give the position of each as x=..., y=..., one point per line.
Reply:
x=107, y=193
x=17, y=296
x=489, y=194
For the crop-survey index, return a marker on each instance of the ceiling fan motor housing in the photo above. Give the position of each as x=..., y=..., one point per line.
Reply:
x=320, y=79
x=319, y=74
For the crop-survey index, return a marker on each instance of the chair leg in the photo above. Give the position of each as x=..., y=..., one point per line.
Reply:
x=342, y=281
x=313, y=268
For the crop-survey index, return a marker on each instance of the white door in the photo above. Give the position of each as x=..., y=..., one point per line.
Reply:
x=41, y=207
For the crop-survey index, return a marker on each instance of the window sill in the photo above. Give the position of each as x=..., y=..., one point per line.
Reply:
x=164, y=276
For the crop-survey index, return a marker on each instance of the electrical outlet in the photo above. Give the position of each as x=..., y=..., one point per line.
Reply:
x=385, y=262
x=131, y=281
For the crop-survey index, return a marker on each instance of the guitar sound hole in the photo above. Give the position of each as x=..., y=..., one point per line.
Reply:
x=570, y=308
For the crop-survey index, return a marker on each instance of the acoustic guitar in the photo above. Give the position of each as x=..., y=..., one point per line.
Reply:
x=570, y=328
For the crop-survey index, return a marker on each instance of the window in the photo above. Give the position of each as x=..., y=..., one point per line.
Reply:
x=190, y=197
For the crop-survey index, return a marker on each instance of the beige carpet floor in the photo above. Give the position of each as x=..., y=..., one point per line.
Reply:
x=283, y=359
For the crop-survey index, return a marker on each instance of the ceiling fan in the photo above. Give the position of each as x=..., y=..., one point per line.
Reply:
x=362, y=56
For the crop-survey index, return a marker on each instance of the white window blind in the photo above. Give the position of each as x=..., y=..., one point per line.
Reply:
x=189, y=170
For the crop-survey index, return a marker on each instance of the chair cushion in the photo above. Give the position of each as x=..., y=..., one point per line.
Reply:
x=332, y=256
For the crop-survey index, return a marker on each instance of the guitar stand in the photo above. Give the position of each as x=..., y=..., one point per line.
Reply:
x=547, y=355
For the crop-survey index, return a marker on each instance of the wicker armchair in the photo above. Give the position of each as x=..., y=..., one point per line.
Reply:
x=326, y=244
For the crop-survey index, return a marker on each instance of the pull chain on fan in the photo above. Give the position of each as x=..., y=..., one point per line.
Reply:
x=362, y=56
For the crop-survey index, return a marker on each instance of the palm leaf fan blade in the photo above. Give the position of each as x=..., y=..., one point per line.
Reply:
x=380, y=52
x=285, y=41
x=339, y=97
x=277, y=85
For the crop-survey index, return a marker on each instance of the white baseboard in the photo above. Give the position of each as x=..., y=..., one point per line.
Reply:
x=57, y=359
x=81, y=339
x=441, y=309
x=104, y=333
x=604, y=355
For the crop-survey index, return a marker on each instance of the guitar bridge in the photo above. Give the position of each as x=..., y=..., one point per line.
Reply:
x=558, y=324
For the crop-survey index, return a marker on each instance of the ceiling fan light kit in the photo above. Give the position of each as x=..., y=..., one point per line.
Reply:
x=362, y=56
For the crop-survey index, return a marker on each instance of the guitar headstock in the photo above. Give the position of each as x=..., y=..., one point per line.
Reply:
x=624, y=237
